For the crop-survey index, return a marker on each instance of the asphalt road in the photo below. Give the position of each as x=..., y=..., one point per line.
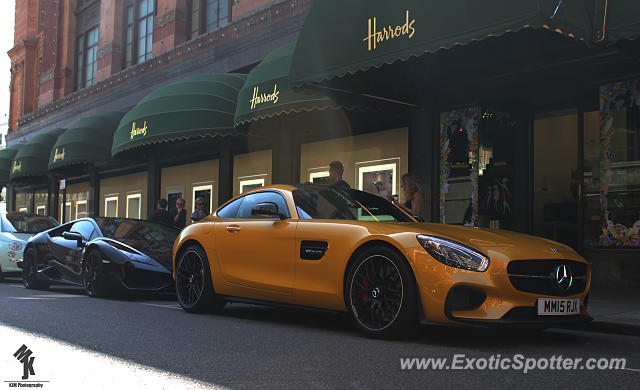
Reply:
x=250, y=346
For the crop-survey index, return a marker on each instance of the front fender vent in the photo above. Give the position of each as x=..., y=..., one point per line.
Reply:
x=313, y=250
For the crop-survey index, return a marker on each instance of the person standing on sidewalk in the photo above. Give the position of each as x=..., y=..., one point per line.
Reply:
x=200, y=211
x=413, y=195
x=336, y=169
x=178, y=214
x=160, y=214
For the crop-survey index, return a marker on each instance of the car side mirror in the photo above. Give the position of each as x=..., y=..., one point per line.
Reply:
x=73, y=236
x=266, y=210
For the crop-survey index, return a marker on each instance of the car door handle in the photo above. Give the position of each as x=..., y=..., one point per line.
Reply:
x=232, y=229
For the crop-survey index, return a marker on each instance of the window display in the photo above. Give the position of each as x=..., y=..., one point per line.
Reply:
x=81, y=209
x=378, y=177
x=133, y=205
x=111, y=206
x=172, y=195
x=459, y=166
x=495, y=170
x=476, y=166
x=203, y=192
x=319, y=177
x=249, y=184
x=619, y=168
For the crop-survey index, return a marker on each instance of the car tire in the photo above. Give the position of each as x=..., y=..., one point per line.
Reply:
x=381, y=294
x=194, y=288
x=93, y=279
x=30, y=277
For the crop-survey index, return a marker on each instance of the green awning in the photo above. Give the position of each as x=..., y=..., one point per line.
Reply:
x=195, y=107
x=266, y=92
x=86, y=141
x=371, y=33
x=32, y=159
x=622, y=20
x=6, y=156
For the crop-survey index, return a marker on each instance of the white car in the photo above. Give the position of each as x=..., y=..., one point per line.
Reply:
x=15, y=230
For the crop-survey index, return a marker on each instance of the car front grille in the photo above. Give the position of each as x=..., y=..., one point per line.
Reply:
x=539, y=276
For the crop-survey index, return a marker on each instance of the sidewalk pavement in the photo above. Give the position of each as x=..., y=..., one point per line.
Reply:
x=614, y=311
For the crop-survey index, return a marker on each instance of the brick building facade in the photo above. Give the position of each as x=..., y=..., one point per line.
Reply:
x=45, y=60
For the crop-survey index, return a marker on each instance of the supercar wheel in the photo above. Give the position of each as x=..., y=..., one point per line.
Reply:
x=93, y=276
x=30, y=277
x=193, y=282
x=381, y=294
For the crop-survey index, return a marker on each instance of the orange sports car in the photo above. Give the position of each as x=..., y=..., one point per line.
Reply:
x=348, y=250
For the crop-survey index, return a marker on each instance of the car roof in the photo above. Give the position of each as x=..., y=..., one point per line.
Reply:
x=292, y=187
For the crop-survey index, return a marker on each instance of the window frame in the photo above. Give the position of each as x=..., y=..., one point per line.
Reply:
x=286, y=215
x=138, y=196
x=318, y=175
x=202, y=187
x=67, y=215
x=108, y=199
x=202, y=18
x=82, y=202
x=229, y=206
x=126, y=23
x=250, y=182
x=82, y=223
x=83, y=30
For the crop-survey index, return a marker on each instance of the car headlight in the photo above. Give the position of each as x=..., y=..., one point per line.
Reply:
x=453, y=254
x=15, y=245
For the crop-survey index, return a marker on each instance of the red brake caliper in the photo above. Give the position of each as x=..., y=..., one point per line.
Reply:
x=363, y=297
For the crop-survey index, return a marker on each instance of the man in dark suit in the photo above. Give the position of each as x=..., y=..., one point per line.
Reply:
x=336, y=169
x=160, y=214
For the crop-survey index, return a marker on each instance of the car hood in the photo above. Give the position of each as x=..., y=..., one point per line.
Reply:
x=490, y=241
x=24, y=237
x=129, y=249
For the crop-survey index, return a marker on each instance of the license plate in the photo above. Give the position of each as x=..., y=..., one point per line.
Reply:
x=558, y=306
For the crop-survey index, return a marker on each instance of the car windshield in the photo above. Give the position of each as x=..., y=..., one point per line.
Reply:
x=153, y=239
x=27, y=223
x=323, y=202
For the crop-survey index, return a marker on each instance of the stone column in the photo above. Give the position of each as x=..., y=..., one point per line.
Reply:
x=225, y=171
x=423, y=155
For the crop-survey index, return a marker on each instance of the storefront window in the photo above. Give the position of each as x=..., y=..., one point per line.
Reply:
x=496, y=150
x=111, y=206
x=203, y=192
x=476, y=168
x=76, y=198
x=619, y=169
x=23, y=201
x=459, y=149
x=41, y=202
x=67, y=213
x=555, y=177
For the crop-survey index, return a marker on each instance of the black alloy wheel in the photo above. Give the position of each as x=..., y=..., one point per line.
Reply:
x=194, y=288
x=30, y=277
x=93, y=275
x=381, y=294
